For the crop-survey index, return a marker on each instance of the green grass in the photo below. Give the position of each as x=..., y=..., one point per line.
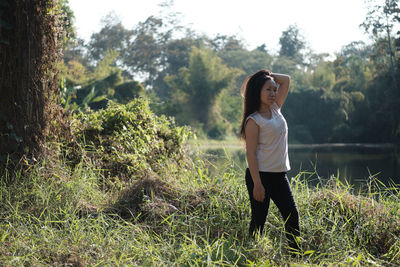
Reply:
x=125, y=190
x=187, y=217
x=230, y=142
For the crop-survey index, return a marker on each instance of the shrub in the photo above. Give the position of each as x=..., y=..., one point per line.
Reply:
x=125, y=141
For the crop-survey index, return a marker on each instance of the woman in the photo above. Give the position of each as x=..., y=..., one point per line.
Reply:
x=264, y=130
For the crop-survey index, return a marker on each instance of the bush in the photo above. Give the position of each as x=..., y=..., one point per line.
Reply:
x=126, y=140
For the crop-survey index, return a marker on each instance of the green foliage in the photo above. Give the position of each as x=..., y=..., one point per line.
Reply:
x=245, y=60
x=105, y=65
x=292, y=43
x=201, y=84
x=112, y=36
x=248, y=61
x=124, y=141
x=82, y=88
x=218, y=131
x=311, y=115
x=284, y=64
x=381, y=17
x=230, y=104
x=67, y=19
x=196, y=79
x=146, y=51
x=74, y=73
x=323, y=76
x=127, y=91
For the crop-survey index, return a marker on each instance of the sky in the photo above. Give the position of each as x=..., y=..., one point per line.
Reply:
x=325, y=24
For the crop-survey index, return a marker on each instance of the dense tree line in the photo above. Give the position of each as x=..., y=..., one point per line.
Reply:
x=353, y=97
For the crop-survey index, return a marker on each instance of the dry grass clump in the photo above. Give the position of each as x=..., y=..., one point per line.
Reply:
x=152, y=199
x=370, y=223
x=149, y=196
x=349, y=205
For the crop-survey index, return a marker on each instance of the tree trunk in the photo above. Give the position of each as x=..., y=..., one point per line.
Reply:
x=28, y=82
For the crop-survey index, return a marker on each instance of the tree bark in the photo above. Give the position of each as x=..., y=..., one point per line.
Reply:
x=28, y=80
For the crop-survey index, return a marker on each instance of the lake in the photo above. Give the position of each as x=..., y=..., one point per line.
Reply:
x=353, y=162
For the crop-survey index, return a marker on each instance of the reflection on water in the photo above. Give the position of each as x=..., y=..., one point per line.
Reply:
x=355, y=162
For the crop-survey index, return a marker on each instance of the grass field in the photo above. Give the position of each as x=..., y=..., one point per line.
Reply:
x=126, y=190
x=187, y=217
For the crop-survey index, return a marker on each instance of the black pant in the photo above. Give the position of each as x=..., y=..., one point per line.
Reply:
x=276, y=188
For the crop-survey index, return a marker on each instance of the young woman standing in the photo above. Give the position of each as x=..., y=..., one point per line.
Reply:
x=265, y=132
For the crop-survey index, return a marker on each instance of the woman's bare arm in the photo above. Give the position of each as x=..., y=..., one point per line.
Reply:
x=251, y=131
x=284, y=83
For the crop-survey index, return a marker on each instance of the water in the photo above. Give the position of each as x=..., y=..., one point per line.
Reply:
x=354, y=162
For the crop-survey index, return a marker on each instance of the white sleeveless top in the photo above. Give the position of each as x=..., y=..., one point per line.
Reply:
x=272, y=149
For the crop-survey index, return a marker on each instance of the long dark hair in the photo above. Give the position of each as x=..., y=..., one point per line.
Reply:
x=250, y=90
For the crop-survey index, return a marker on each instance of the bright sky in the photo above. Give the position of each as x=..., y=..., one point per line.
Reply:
x=327, y=25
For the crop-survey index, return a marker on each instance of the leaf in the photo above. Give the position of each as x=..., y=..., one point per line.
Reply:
x=357, y=260
x=89, y=97
x=99, y=98
x=309, y=252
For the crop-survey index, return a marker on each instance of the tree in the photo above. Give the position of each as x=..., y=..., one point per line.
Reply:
x=29, y=49
x=93, y=87
x=226, y=43
x=323, y=76
x=77, y=50
x=382, y=17
x=145, y=52
x=312, y=116
x=248, y=61
x=201, y=83
x=176, y=54
x=112, y=36
x=292, y=43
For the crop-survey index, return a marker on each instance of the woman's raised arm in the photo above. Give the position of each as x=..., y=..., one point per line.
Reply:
x=284, y=83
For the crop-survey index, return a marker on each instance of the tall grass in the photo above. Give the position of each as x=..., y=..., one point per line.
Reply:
x=189, y=218
x=125, y=192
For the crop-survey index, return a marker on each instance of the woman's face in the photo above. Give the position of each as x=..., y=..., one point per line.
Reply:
x=268, y=93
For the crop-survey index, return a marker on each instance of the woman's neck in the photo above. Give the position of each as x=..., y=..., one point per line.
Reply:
x=264, y=109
